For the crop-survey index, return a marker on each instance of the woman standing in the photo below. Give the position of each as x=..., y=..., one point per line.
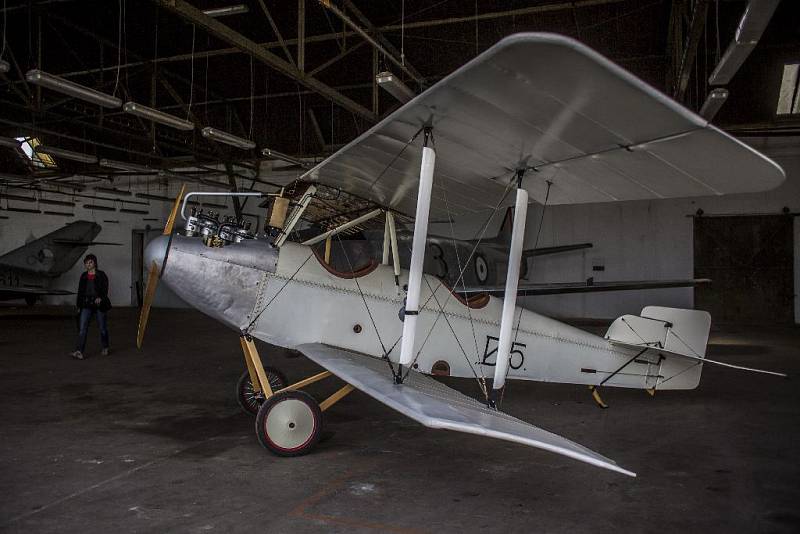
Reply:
x=92, y=300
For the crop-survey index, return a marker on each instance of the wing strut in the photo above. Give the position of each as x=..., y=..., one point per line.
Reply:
x=510, y=299
x=395, y=253
x=417, y=252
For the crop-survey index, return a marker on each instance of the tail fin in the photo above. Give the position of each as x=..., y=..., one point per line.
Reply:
x=689, y=331
x=53, y=254
x=672, y=342
x=670, y=329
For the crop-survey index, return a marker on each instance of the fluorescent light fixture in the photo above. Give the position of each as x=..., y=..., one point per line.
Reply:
x=756, y=16
x=73, y=89
x=125, y=166
x=9, y=142
x=237, y=9
x=66, y=154
x=713, y=102
x=394, y=86
x=274, y=154
x=229, y=139
x=4, y=66
x=157, y=116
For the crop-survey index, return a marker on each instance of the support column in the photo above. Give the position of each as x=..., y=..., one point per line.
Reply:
x=418, y=251
x=510, y=299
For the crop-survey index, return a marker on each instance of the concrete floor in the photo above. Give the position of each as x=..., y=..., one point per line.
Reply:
x=153, y=441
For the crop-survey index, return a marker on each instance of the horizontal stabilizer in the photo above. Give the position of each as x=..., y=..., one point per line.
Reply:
x=435, y=405
x=589, y=286
x=669, y=332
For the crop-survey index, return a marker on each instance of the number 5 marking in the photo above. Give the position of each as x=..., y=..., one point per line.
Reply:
x=517, y=358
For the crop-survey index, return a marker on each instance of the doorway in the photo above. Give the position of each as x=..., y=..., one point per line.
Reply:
x=750, y=260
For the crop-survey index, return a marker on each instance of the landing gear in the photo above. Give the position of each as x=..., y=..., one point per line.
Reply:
x=251, y=400
x=289, y=423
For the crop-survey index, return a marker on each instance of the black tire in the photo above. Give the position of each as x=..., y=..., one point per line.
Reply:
x=289, y=423
x=249, y=400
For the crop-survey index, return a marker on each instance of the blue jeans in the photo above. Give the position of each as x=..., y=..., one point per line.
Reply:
x=102, y=323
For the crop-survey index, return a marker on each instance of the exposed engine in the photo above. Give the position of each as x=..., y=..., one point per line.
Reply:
x=215, y=233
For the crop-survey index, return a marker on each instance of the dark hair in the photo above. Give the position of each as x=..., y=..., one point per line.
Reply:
x=90, y=257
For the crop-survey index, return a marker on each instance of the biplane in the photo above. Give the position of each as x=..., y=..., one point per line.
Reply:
x=537, y=115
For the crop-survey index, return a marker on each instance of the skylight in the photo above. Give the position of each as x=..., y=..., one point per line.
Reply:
x=788, y=101
x=42, y=161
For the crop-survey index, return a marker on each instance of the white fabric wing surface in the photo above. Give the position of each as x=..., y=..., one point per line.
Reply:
x=545, y=101
x=435, y=405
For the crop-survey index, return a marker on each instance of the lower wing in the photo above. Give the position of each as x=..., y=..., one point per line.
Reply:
x=435, y=405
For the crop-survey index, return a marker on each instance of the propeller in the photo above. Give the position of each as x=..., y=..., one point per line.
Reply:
x=155, y=273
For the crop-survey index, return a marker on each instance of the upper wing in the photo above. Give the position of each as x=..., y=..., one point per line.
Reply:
x=594, y=130
x=423, y=399
x=559, y=288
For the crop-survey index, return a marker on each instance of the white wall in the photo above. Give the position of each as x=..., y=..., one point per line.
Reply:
x=21, y=228
x=642, y=240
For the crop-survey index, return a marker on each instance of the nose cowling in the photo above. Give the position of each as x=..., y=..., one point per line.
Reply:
x=155, y=251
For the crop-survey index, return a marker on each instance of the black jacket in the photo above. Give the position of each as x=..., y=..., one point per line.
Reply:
x=100, y=288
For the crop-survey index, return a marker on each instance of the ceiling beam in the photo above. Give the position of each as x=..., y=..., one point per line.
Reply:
x=387, y=44
x=367, y=37
x=696, y=27
x=194, y=16
x=338, y=35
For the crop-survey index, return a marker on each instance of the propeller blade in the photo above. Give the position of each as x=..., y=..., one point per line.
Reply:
x=174, y=212
x=149, y=293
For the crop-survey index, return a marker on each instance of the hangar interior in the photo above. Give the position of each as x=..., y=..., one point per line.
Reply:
x=110, y=107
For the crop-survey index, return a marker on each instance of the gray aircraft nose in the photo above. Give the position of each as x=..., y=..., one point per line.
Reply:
x=155, y=251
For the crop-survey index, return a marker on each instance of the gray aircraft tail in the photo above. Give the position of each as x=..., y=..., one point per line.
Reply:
x=54, y=253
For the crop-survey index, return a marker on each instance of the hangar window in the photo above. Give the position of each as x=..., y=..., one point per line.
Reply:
x=37, y=159
x=788, y=99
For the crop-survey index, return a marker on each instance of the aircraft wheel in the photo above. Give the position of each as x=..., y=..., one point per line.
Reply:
x=251, y=400
x=289, y=423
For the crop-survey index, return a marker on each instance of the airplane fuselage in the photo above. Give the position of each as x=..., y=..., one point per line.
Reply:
x=289, y=297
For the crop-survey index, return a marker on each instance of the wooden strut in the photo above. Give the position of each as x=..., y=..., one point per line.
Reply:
x=258, y=376
x=336, y=397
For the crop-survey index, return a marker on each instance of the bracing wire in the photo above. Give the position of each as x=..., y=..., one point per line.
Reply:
x=478, y=239
x=5, y=26
x=286, y=283
x=191, y=78
x=361, y=293
x=119, y=46
x=252, y=96
x=482, y=379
